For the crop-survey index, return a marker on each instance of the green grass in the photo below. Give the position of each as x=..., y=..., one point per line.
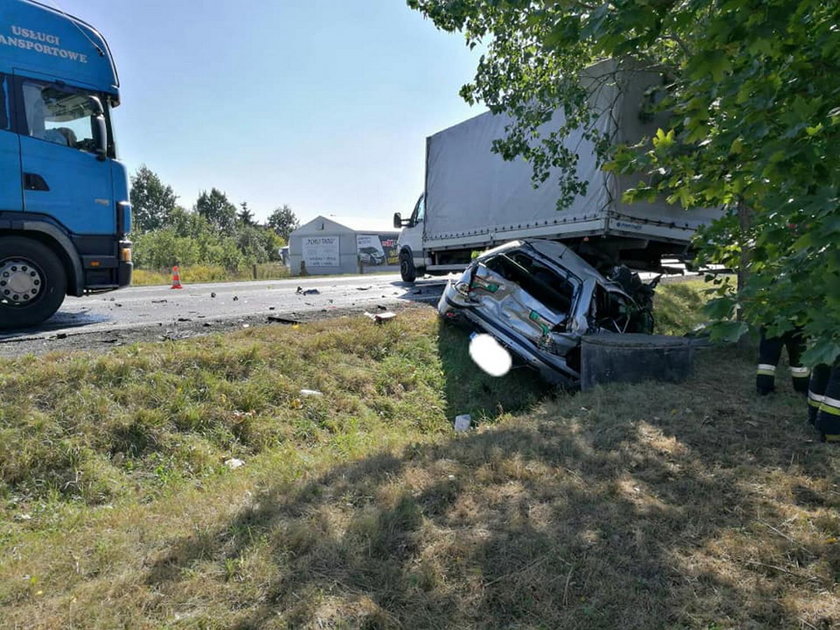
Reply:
x=694, y=505
x=677, y=306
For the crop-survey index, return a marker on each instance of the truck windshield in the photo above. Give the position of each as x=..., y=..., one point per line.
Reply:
x=59, y=115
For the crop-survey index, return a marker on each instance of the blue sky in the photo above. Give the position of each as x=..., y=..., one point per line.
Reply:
x=321, y=104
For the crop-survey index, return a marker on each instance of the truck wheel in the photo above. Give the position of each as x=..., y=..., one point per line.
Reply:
x=32, y=282
x=407, y=268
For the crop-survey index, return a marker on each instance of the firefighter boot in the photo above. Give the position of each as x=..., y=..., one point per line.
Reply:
x=828, y=417
x=816, y=390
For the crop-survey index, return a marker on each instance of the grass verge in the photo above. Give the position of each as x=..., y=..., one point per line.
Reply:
x=695, y=505
x=196, y=274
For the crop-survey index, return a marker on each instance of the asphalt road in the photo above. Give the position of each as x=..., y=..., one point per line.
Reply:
x=153, y=313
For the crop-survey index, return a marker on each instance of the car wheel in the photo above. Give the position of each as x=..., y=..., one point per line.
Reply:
x=32, y=282
x=407, y=269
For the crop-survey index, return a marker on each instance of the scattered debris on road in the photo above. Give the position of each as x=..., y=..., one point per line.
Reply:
x=302, y=291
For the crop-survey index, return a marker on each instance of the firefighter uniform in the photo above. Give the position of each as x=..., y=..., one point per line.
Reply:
x=816, y=390
x=827, y=419
x=769, y=353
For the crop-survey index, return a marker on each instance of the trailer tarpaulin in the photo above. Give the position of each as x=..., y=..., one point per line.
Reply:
x=465, y=179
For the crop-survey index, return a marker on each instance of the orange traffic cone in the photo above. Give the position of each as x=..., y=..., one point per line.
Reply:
x=176, y=278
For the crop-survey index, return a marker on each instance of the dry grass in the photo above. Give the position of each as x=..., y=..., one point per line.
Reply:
x=197, y=274
x=681, y=506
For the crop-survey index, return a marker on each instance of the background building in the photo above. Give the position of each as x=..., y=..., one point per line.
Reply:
x=329, y=245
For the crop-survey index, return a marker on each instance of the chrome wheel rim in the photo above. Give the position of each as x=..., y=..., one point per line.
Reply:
x=20, y=282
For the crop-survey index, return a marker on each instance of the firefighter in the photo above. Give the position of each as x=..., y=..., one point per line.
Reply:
x=769, y=353
x=827, y=418
x=816, y=390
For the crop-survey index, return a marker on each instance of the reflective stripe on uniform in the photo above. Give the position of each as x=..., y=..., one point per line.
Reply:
x=815, y=399
x=830, y=405
x=800, y=372
x=766, y=369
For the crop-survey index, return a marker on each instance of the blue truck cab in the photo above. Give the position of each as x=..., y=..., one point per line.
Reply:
x=64, y=203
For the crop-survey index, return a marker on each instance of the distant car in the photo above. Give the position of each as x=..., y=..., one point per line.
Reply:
x=371, y=256
x=538, y=298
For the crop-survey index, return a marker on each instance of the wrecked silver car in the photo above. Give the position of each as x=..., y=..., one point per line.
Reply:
x=538, y=298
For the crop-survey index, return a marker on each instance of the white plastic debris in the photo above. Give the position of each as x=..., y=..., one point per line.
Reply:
x=463, y=422
x=310, y=392
x=489, y=355
x=381, y=317
x=234, y=463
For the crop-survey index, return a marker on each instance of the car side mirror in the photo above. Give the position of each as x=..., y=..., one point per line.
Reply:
x=398, y=220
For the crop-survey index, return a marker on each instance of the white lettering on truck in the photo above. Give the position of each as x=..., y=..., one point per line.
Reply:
x=27, y=39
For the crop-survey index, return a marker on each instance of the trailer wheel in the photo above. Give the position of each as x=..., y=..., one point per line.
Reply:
x=407, y=269
x=32, y=282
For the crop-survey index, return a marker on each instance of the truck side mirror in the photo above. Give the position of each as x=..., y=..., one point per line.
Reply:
x=397, y=220
x=100, y=130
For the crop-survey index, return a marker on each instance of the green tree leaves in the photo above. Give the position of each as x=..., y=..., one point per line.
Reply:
x=212, y=233
x=753, y=90
x=283, y=221
x=151, y=201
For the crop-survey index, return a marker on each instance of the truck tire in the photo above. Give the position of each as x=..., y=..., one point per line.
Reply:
x=32, y=282
x=407, y=269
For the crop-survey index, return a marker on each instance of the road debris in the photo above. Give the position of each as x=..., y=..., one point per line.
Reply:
x=281, y=320
x=159, y=301
x=212, y=294
x=463, y=422
x=302, y=291
x=381, y=317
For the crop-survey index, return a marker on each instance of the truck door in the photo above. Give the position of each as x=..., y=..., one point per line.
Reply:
x=63, y=176
x=11, y=195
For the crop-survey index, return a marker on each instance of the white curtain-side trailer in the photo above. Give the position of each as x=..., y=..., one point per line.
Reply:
x=474, y=199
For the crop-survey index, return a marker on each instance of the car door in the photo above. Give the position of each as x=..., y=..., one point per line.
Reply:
x=11, y=194
x=63, y=177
